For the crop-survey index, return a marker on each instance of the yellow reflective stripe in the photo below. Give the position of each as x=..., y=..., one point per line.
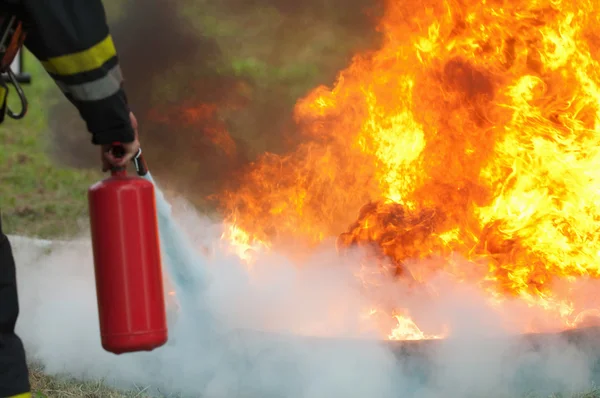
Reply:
x=84, y=61
x=24, y=395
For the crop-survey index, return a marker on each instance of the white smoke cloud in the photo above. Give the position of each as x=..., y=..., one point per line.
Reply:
x=219, y=348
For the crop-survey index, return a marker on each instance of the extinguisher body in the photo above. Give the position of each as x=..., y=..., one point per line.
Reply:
x=127, y=262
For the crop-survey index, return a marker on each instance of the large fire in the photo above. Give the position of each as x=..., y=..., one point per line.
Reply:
x=474, y=131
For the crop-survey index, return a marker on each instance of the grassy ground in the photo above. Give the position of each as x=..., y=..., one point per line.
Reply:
x=63, y=387
x=38, y=197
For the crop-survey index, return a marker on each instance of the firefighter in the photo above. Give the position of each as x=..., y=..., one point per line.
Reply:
x=72, y=41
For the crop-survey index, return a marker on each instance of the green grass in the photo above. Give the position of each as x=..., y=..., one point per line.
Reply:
x=65, y=387
x=38, y=197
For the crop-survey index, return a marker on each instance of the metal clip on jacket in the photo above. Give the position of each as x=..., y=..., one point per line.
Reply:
x=22, y=97
x=12, y=36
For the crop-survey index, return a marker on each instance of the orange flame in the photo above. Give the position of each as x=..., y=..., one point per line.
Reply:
x=241, y=244
x=474, y=129
x=408, y=330
x=214, y=130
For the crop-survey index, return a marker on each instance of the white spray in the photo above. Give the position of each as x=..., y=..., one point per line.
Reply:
x=218, y=347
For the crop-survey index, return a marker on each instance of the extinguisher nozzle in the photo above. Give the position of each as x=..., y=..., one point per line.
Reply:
x=140, y=164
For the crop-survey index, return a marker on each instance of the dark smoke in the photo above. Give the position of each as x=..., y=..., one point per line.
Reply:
x=213, y=83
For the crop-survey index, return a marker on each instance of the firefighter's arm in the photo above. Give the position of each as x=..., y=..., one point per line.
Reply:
x=71, y=38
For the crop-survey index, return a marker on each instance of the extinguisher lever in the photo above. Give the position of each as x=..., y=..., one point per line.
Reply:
x=138, y=159
x=140, y=164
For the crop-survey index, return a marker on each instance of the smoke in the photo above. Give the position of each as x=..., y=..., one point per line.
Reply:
x=213, y=83
x=289, y=330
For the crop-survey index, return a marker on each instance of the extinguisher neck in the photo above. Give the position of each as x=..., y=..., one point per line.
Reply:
x=118, y=172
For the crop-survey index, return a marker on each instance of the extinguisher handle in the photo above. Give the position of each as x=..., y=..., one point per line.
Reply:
x=140, y=163
x=138, y=160
x=118, y=151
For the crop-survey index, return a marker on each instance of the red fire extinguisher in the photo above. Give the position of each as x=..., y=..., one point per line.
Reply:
x=127, y=261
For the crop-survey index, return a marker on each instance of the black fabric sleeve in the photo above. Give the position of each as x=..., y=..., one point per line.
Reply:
x=72, y=40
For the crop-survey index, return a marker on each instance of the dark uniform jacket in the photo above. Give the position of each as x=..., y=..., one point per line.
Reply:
x=71, y=39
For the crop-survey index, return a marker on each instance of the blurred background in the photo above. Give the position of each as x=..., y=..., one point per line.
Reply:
x=213, y=84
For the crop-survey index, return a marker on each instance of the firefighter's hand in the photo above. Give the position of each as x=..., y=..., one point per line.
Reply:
x=131, y=148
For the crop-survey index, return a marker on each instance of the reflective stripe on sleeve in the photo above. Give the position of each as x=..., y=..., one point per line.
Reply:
x=83, y=61
x=95, y=90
